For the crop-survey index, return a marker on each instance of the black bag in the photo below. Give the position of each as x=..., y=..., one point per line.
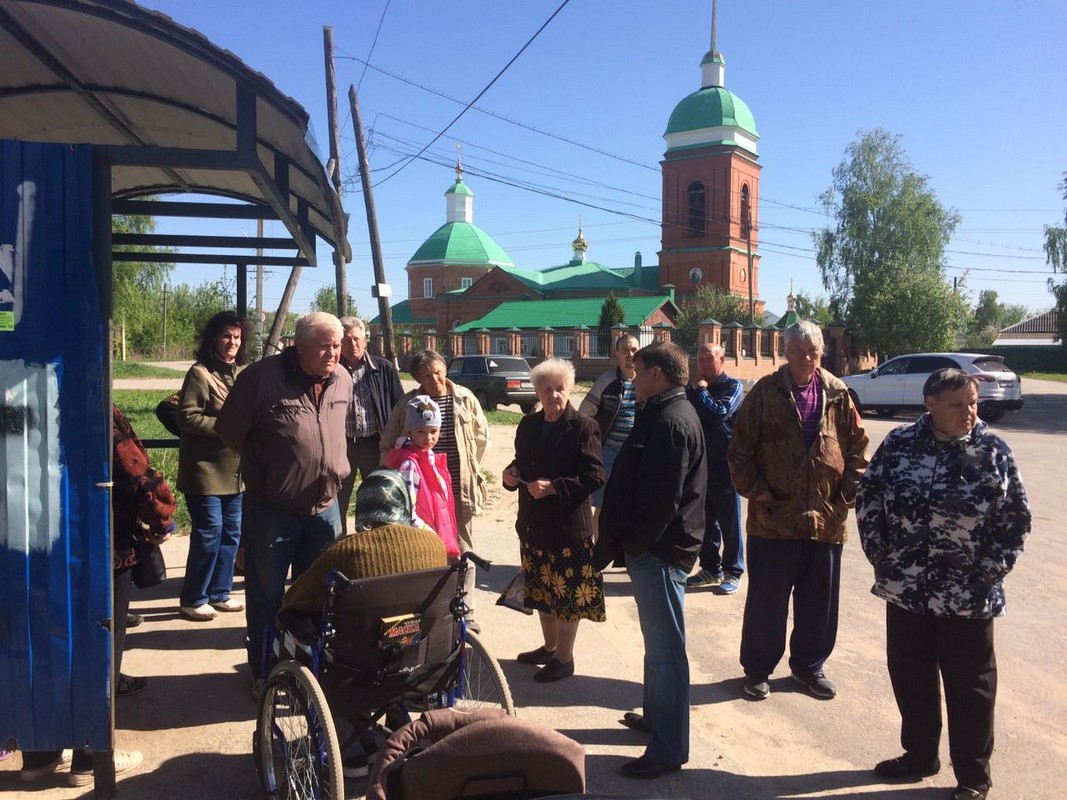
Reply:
x=167, y=413
x=150, y=569
x=515, y=594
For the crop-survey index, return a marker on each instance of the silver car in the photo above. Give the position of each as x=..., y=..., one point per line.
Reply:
x=897, y=384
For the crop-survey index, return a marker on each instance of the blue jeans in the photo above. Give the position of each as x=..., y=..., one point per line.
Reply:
x=722, y=516
x=608, y=454
x=213, y=546
x=276, y=540
x=659, y=590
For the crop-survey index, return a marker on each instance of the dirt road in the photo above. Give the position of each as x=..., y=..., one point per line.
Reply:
x=194, y=722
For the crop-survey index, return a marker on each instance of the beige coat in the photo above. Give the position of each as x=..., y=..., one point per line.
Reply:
x=472, y=437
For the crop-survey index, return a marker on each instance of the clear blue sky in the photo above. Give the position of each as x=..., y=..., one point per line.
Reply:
x=973, y=87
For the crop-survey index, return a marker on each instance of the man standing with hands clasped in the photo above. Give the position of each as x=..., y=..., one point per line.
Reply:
x=943, y=516
x=654, y=516
x=717, y=397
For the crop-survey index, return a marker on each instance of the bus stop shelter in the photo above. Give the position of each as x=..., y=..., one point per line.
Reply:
x=102, y=104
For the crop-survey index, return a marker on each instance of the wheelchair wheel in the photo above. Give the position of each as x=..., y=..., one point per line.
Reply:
x=295, y=746
x=483, y=684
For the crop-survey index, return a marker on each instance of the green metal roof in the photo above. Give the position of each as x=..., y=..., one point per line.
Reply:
x=461, y=243
x=577, y=275
x=459, y=187
x=564, y=314
x=711, y=107
x=401, y=315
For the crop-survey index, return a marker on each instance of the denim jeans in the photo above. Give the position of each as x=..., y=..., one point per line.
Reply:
x=213, y=543
x=276, y=540
x=659, y=590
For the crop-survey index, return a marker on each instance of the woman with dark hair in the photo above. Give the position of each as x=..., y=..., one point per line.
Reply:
x=209, y=472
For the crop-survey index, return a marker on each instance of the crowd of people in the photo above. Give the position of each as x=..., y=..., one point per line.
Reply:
x=646, y=474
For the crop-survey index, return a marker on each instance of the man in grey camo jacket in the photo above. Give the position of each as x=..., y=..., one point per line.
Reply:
x=942, y=516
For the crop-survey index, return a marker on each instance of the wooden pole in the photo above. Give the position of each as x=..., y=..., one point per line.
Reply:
x=278, y=326
x=384, y=312
x=334, y=164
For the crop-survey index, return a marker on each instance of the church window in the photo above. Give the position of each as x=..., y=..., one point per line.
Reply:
x=746, y=210
x=427, y=287
x=696, y=210
x=466, y=283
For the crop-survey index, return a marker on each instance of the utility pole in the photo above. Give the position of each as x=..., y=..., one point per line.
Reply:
x=381, y=289
x=748, y=246
x=333, y=167
x=165, y=292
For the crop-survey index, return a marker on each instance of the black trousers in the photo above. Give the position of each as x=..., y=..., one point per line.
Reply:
x=920, y=649
x=363, y=457
x=810, y=572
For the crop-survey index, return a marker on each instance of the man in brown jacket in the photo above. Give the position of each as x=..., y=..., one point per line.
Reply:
x=797, y=453
x=286, y=417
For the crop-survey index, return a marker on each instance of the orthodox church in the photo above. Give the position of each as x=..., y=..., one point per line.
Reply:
x=461, y=280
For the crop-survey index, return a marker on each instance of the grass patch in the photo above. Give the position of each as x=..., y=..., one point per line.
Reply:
x=503, y=417
x=137, y=369
x=1046, y=376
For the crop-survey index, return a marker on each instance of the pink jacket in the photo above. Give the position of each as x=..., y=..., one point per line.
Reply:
x=433, y=501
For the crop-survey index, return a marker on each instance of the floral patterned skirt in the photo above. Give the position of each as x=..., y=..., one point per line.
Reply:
x=563, y=581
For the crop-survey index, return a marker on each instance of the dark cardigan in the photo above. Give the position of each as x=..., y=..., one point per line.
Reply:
x=571, y=459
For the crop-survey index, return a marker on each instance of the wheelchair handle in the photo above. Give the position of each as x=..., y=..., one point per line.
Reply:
x=470, y=555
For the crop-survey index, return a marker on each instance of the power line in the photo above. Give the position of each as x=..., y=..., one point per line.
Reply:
x=480, y=94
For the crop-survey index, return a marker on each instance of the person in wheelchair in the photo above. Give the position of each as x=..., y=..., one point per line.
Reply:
x=382, y=542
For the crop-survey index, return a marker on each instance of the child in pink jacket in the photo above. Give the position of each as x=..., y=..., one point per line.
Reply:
x=426, y=472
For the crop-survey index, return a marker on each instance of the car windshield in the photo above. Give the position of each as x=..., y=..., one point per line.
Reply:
x=991, y=364
x=508, y=365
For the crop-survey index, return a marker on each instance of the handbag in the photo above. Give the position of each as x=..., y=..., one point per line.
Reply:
x=514, y=594
x=150, y=569
x=167, y=413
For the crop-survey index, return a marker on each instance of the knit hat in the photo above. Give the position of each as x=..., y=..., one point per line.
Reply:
x=422, y=412
x=382, y=499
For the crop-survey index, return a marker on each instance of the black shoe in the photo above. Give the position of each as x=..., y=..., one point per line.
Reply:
x=967, y=793
x=644, y=768
x=635, y=722
x=907, y=767
x=756, y=688
x=538, y=656
x=554, y=671
x=817, y=684
x=127, y=685
x=133, y=620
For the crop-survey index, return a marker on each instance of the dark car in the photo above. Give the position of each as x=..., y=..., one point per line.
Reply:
x=495, y=379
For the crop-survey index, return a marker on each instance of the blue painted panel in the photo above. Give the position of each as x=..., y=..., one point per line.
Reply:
x=55, y=441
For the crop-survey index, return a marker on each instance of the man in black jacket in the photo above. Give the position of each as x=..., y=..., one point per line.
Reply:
x=375, y=390
x=654, y=514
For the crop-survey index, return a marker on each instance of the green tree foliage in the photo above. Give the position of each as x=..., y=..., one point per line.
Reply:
x=883, y=261
x=816, y=308
x=137, y=289
x=326, y=300
x=710, y=302
x=990, y=316
x=611, y=314
x=1056, y=253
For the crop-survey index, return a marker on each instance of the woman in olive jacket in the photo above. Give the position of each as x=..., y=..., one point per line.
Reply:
x=209, y=472
x=557, y=466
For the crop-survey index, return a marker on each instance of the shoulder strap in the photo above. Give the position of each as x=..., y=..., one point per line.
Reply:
x=220, y=387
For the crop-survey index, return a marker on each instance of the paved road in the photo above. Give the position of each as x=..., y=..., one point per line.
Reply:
x=195, y=720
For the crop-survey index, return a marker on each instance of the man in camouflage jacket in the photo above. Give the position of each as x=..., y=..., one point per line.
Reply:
x=797, y=451
x=942, y=516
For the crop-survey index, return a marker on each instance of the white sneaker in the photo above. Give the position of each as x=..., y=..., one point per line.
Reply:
x=199, y=613
x=229, y=604
x=35, y=774
x=125, y=760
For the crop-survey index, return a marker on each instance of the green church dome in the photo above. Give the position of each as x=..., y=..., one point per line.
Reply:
x=711, y=107
x=461, y=243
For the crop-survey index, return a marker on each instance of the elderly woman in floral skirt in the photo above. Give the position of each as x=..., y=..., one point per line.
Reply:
x=557, y=466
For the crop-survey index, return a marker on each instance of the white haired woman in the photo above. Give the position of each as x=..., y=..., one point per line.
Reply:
x=557, y=466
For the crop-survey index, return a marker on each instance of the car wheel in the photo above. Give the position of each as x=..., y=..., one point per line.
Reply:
x=886, y=413
x=483, y=400
x=991, y=414
x=527, y=408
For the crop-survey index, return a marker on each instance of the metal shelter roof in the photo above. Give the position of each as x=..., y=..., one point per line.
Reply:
x=174, y=113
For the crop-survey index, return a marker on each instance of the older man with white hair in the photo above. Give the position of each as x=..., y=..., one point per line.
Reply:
x=286, y=417
x=797, y=453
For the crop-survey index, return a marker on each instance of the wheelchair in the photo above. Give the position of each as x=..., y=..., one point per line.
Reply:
x=384, y=647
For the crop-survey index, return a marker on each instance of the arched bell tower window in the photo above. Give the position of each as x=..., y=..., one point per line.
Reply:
x=696, y=210
x=746, y=211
